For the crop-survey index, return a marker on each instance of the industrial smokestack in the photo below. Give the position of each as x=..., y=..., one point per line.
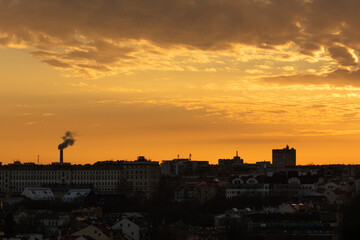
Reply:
x=68, y=141
x=61, y=156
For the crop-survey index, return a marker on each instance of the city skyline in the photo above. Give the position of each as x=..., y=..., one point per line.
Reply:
x=164, y=78
x=69, y=137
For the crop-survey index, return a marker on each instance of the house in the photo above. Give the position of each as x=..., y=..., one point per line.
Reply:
x=206, y=190
x=231, y=218
x=96, y=231
x=246, y=186
x=338, y=196
x=184, y=192
x=133, y=228
x=52, y=223
x=330, y=186
x=293, y=208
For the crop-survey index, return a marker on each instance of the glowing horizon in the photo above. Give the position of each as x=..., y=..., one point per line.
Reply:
x=160, y=78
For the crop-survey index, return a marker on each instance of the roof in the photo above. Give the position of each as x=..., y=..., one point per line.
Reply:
x=310, y=193
x=38, y=193
x=76, y=238
x=74, y=194
x=106, y=229
x=138, y=221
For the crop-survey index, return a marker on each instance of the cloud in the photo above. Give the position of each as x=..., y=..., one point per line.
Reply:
x=56, y=63
x=100, y=36
x=44, y=54
x=288, y=68
x=327, y=132
x=340, y=77
x=342, y=55
x=48, y=114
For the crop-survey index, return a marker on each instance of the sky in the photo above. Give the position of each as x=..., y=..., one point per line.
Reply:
x=164, y=78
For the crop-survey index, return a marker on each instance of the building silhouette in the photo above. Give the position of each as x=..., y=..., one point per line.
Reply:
x=135, y=177
x=284, y=157
x=231, y=163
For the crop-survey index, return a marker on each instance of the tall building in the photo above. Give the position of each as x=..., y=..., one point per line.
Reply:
x=284, y=157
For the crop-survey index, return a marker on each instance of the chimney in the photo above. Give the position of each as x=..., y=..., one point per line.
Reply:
x=61, y=156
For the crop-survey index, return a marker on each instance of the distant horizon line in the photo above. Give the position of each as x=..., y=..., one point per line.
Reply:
x=150, y=160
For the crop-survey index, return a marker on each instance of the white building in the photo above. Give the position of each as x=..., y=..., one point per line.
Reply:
x=251, y=186
x=133, y=228
x=96, y=231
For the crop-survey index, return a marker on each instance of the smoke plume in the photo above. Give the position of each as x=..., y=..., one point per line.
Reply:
x=68, y=140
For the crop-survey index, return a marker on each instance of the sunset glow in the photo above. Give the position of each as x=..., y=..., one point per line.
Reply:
x=160, y=78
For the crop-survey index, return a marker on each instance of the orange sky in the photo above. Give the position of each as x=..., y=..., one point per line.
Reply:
x=161, y=78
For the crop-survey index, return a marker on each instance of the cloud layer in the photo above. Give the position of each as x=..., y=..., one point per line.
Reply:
x=105, y=36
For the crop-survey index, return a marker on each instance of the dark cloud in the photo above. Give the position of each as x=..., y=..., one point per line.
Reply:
x=278, y=111
x=93, y=29
x=94, y=67
x=4, y=40
x=199, y=23
x=342, y=55
x=309, y=48
x=351, y=115
x=318, y=106
x=104, y=53
x=44, y=54
x=340, y=77
x=57, y=63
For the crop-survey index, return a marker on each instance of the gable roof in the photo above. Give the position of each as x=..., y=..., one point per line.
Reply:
x=102, y=227
x=138, y=221
x=106, y=229
x=38, y=193
x=74, y=194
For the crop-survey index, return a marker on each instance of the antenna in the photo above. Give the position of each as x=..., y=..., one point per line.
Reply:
x=38, y=159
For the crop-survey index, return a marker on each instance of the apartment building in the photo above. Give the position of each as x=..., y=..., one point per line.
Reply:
x=141, y=176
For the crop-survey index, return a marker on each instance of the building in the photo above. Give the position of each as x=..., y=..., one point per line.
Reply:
x=139, y=177
x=199, y=190
x=133, y=228
x=284, y=157
x=96, y=231
x=297, y=225
x=183, y=167
x=249, y=186
x=232, y=218
x=231, y=163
